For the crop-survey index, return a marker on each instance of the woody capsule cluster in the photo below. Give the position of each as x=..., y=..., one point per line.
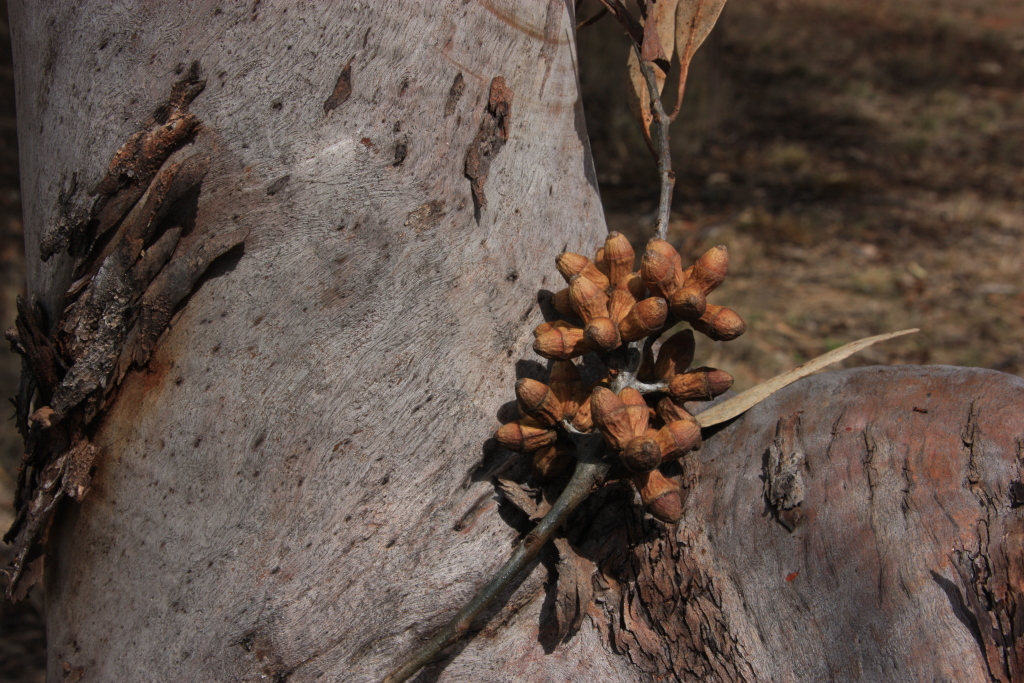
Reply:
x=638, y=407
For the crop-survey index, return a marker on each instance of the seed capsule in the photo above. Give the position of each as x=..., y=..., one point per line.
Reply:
x=658, y=274
x=634, y=284
x=583, y=420
x=525, y=435
x=538, y=401
x=601, y=334
x=720, y=323
x=699, y=384
x=709, y=270
x=636, y=409
x=565, y=385
x=562, y=302
x=675, y=355
x=669, y=411
x=644, y=318
x=661, y=268
x=546, y=327
x=570, y=264
x=549, y=462
x=587, y=298
x=619, y=304
x=600, y=263
x=662, y=496
x=642, y=454
x=678, y=438
x=611, y=417
x=561, y=343
x=656, y=244
x=618, y=254
x=688, y=303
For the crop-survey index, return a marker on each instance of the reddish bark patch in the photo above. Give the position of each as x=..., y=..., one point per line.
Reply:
x=342, y=90
x=900, y=517
x=489, y=140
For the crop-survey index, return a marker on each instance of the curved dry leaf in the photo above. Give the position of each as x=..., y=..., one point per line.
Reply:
x=694, y=21
x=741, y=403
x=662, y=18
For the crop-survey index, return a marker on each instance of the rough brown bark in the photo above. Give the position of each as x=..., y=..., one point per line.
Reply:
x=298, y=484
x=904, y=561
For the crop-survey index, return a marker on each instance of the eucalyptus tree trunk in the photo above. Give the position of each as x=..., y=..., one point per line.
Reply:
x=294, y=479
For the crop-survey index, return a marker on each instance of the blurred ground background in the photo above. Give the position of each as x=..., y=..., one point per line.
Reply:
x=22, y=645
x=862, y=159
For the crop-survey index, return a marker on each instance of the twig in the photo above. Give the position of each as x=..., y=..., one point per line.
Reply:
x=668, y=177
x=633, y=28
x=590, y=469
x=593, y=19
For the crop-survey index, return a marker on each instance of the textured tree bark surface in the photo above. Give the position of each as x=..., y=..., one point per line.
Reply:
x=298, y=487
x=904, y=561
x=289, y=489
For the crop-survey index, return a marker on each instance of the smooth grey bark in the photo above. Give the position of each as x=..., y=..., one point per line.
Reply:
x=289, y=487
x=293, y=490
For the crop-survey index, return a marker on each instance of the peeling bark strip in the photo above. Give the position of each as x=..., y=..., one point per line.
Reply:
x=783, y=472
x=489, y=140
x=342, y=90
x=131, y=170
x=135, y=264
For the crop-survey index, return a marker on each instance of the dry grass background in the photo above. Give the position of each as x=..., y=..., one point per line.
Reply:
x=22, y=645
x=862, y=159
x=864, y=162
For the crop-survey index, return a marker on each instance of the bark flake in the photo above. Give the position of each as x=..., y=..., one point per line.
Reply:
x=342, y=89
x=489, y=140
x=138, y=255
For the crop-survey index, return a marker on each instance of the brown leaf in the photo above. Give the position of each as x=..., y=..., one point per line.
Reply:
x=652, y=50
x=575, y=588
x=741, y=403
x=694, y=21
x=660, y=30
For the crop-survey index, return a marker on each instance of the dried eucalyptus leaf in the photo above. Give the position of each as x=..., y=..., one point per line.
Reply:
x=661, y=18
x=694, y=21
x=751, y=397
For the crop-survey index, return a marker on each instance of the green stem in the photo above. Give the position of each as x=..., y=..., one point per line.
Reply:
x=589, y=471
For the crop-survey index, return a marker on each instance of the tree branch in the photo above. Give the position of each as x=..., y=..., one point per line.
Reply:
x=668, y=177
x=590, y=470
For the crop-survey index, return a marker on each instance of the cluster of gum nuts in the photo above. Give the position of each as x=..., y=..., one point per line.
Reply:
x=638, y=406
